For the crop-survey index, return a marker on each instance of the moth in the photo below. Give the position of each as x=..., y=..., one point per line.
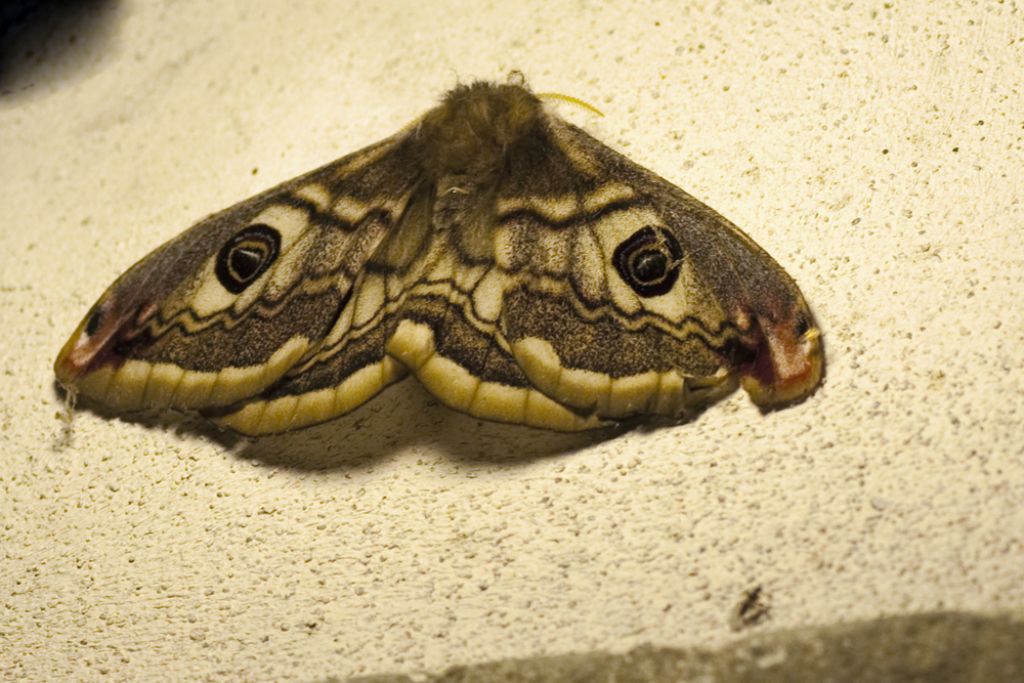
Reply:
x=521, y=270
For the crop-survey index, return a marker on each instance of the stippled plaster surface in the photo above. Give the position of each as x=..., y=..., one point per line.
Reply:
x=873, y=148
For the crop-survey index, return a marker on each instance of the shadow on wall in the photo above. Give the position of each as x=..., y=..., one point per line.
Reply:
x=45, y=41
x=406, y=415
x=401, y=416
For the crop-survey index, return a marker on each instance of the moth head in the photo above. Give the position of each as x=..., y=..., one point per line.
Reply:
x=475, y=127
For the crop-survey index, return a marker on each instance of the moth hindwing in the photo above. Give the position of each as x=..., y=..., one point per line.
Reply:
x=521, y=270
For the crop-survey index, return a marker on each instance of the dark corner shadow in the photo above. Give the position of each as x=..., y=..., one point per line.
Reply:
x=402, y=416
x=44, y=40
x=946, y=647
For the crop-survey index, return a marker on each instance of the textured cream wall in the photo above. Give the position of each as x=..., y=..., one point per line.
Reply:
x=875, y=149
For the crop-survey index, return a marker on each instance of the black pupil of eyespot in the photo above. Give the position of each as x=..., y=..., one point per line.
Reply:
x=246, y=256
x=650, y=266
x=246, y=260
x=649, y=261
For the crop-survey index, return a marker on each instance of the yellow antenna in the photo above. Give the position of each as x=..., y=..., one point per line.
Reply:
x=572, y=100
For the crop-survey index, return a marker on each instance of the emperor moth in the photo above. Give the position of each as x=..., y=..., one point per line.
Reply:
x=521, y=270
